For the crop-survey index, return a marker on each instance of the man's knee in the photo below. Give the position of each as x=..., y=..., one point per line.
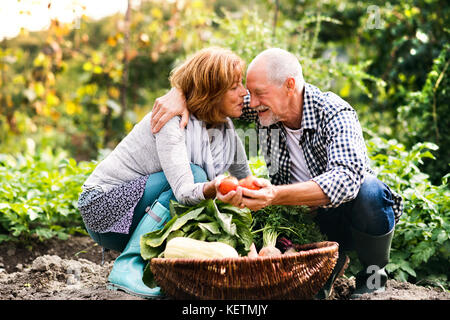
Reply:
x=198, y=173
x=374, y=193
x=373, y=206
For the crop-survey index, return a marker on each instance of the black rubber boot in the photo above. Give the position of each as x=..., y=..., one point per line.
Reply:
x=373, y=253
x=339, y=269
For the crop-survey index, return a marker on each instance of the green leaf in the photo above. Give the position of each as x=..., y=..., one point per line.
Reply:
x=177, y=208
x=405, y=266
x=391, y=267
x=212, y=227
x=199, y=234
x=428, y=154
x=32, y=214
x=244, y=234
x=440, y=236
x=204, y=217
x=44, y=233
x=422, y=252
x=401, y=276
x=148, y=252
x=148, y=278
x=228, y=240
x=156, y=238
x=4, y=237
x=5, y=206
x=175, y=234
x=189, y=226
x=243, y=215
x=224, y=219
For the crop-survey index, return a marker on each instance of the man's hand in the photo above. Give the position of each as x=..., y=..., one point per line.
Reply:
x=243, y=197
x=258, y=199
x=168, y=106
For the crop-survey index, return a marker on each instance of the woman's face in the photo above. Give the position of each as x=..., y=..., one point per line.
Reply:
x=233, y=100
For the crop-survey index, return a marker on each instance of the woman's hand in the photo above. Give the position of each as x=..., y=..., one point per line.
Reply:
x=209, y=189
x=168, y=106
x=233, y=197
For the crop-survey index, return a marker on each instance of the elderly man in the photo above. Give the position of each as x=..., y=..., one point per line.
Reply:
x=316, y=156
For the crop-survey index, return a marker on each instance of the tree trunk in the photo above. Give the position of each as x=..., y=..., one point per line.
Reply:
x=126, y=44
x=275, y=18
x=5, y=107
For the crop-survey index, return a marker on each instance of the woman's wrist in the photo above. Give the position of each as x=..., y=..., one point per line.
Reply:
x=209, y=190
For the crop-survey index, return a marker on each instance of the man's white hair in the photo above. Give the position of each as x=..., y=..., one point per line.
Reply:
x=280, y=65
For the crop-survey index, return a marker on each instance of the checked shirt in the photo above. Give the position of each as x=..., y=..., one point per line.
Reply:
x=332, y=142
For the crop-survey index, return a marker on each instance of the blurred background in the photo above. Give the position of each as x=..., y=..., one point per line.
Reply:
x=76, y=75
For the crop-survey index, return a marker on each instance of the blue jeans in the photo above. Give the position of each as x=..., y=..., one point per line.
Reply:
x=370, y=212
x=156, y=188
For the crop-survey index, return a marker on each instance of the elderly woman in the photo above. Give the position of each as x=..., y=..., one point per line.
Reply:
x=128, y=193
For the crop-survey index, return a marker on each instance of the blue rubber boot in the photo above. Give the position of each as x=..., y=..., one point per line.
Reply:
x=128, y=268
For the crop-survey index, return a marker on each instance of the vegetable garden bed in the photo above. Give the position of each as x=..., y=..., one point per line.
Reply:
x=24, y=275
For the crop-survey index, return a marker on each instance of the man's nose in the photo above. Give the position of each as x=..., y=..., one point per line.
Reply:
x=254, y=102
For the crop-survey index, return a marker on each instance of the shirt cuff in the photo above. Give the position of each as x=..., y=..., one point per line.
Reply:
x=338, y=186
x=193, y=196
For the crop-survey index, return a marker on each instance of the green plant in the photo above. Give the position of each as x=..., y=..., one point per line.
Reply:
x=39, y=194
x=258, y=166
x=422, y=116
x=292, y=222
x=421, y=245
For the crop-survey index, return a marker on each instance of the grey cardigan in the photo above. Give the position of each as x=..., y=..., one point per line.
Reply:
x=141, y=153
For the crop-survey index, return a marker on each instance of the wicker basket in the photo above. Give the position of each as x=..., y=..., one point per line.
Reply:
x=295, y=276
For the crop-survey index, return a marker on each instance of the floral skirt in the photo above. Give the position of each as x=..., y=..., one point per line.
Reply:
x=111, y=211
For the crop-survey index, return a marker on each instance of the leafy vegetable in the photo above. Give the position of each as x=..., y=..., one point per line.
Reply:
x=210, y=220
x=39, y=194
x=292, y=222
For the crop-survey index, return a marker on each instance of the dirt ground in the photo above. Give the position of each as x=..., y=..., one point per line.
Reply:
x=72, y=270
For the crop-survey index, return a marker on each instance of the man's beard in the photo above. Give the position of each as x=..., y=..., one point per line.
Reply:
x=268, y=119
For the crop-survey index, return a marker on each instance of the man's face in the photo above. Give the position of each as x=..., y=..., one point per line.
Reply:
x=266, y=98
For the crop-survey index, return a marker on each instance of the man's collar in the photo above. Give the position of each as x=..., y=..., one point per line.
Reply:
x=309, y=120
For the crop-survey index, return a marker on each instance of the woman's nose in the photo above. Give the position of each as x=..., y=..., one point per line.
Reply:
x=243, y=91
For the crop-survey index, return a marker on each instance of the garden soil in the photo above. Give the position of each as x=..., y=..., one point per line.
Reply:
x=72, y=270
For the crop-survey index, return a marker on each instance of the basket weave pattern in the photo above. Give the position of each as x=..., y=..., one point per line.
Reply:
x=294, y=276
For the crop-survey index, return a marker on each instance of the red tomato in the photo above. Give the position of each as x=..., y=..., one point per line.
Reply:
x=227, y=184
x=249, y=183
